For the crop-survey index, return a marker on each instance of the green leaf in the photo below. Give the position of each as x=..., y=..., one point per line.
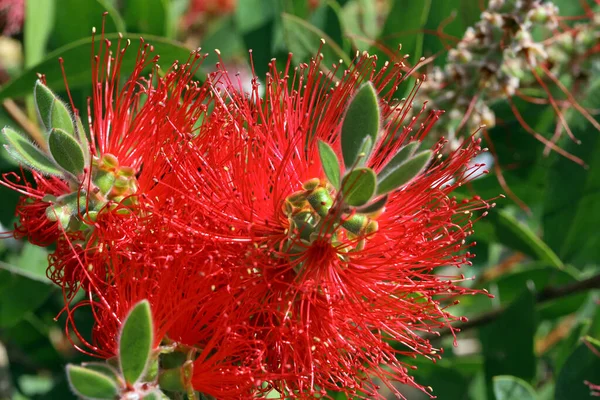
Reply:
x=29, y=155
x=79, y=72
x=404, y=24
x=358, y=186
x=60, y=117
x=257, y=22
x=571, y=214
x=147, y=16
x=401, y=156
x=81, y=136
x=44, y=100
x=89, y=14
x=135, y=343
x=66, y=151
x=508, y=387
x=156, y=395
x=360, y=22
x=39, y=19
x=360, y=121
x=518, y=236
x=330, y=163
x=392, y=178
x=103, y=368
x=91, y=384
x=510, y=285
x=31, y=259
x=304, y=39
x=20, y=293
x=582, y=365
x=508, y=342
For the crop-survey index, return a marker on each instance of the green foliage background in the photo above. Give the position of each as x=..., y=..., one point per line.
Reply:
x=533, y=350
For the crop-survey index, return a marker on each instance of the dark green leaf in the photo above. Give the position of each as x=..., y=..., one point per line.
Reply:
x=304, y=39
x=403, y=173
x=29, y=155
x=326, y=18
x=508, y=387
x=518, y=236
x=66, y=151
x=404, y=24
x=358, y=186
x=256, y=21
x=582, y=365
x=135, y=344
x=510, y=285
x=78, y=72
x=20, y=292
x=89, y=14
x=571, y=213
x=360, y=121
x=147, y=16
x=508, y=342
x=330, y=163
x=91, y=384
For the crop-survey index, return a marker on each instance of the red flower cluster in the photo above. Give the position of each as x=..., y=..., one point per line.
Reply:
x=220, y=213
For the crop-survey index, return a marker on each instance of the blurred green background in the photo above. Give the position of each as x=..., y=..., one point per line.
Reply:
x=532, y=249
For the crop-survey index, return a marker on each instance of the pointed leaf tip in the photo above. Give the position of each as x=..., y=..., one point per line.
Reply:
x=330, y=163
x=360, y=121
x=135, y=343
x=91, y=384
x=53, y=112
x=44, y=98
x=66, y=151
x=359, y=186
x=403, y=173
x=19, y=147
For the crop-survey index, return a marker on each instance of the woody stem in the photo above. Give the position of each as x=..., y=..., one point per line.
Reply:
x=547, y=294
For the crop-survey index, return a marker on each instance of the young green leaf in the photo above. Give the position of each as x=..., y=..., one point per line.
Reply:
x=81, y=137
x=91, y=384
x=29, y=155
x=60, y=117
x=66, y=151
x=51, y=110
x=359, y=186
x=156, y=395
x=103, y=368
x=403, y=173
x=330, y=163
x=135, y=343
x=361, y=120
x=401, y=156
x=44, y=98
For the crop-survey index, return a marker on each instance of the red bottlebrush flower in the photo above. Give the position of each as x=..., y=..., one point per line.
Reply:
x=13, y=15
x=330, y=288
x=127, y=124
x=31, y=209
x=194, y=309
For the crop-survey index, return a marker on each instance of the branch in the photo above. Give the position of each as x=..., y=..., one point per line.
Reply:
x=547, y=294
